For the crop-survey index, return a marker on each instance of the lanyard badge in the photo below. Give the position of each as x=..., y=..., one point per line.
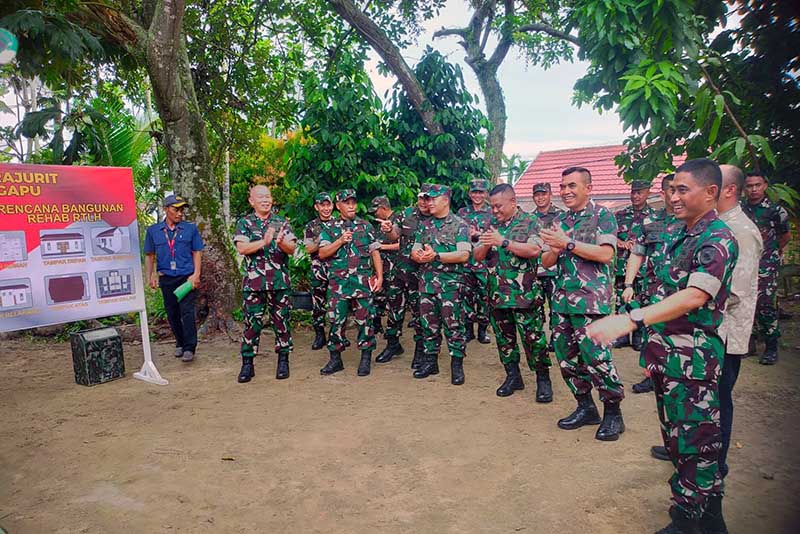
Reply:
x=173, y=265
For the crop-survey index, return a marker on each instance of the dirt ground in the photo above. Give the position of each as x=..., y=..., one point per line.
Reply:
x=385, y=453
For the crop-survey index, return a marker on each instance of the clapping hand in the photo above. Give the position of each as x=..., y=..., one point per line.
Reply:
x=554, y=237
x=492, y=238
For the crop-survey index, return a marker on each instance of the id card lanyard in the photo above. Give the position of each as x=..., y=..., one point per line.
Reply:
x=173, y=265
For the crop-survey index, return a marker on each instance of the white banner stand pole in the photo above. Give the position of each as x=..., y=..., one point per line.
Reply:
x=149, y=373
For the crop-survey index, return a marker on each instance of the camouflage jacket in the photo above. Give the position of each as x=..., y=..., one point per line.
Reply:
x=448, y=234
x=512, y=280
x=546, y=221
x=311, y=235
x=772, y=221
x=585, y=287
x=351, y=265
x=479, y=220
x=389, y=257
x=703, y=256
x=652, y=238
x=266, y=269
x=407, y=224
x=628, y=222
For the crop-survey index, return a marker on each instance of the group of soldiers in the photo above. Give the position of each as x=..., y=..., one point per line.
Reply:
x=493, y=263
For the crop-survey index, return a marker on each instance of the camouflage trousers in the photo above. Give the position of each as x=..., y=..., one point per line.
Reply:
x=443, y=313
x=254, y=306
x=407, y=283
x=476, y=296
x=395, y=291
x=529, y=322
x=548, y=287
x=766, y=323
x=688, y=411
x=319, y=293
x=583, y=362
x=363, y=311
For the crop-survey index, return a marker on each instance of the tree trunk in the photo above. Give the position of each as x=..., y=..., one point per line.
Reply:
x=496, y=111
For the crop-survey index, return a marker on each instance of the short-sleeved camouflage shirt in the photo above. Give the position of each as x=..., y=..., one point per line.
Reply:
x=448, y=234
x=407, y=223
x=311, y=235
x=582, y=286
x=628, y=222
x=702, y=257
x=546, y=220
x=266, y=269
x=652, y=239
x=479, y=220
x=772, y=221
x=351, y=266
x=512, y=279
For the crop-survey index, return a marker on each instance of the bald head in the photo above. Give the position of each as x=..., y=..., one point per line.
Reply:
x=732, y=187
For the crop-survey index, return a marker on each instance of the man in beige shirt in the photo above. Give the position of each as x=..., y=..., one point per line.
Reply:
x=741, y=306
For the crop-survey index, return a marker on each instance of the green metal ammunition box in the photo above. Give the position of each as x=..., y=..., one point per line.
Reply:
x=97, y=356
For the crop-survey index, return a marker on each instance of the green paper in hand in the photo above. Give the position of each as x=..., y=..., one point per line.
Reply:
x=183, y=290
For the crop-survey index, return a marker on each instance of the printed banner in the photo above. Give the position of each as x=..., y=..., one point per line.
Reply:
x=69, y=245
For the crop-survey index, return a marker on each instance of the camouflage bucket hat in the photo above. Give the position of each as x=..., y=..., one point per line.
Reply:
x=344, y=194
x=322, y=197
x=479, y=185
x=379, y=202
x=541, y=187
x=437, y=190
x=638, y=185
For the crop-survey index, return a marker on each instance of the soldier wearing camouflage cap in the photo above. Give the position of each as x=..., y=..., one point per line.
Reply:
x=629, y=222
x=511, y=249
x=323, y=205
x=441, y=248
x=582, y=245
x=356, y=272
x=685, y=351
x=388, y=249
x=266, y=241
x=546, y=212
x=476, y=298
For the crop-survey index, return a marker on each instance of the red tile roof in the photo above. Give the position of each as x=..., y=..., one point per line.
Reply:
x=599, y=160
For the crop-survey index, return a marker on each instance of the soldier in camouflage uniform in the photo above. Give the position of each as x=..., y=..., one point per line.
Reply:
x=406, y=279
x=629, y=221
x=388, y=250
x=441, y=247
x=773, y=222
x=547, y=214
x=476, y=298
x=393, y=291
x=650, y=248
x=583, y=247
x=684, y=353
x=356, y=272
x=266, y=241
x=323, y=205
x=511, y=250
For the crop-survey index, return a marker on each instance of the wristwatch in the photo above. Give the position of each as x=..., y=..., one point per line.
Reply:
x=570, y=245
x=437, y=257
x=637, y=316
x=505, y=243
x=628, y=286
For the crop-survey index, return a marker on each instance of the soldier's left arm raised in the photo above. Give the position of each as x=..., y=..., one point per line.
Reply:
x=782, y=229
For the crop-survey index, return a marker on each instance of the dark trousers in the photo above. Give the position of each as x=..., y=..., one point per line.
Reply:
x=179, y=314
x=730, y=372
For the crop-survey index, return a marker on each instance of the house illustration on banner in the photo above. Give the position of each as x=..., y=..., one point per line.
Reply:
x=112, y=240
x=67, y=288
x=62, y=244
x=114, y=282
x=15, y=294
x=12, y=246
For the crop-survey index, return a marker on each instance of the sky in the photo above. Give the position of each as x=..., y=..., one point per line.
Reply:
x=538, y=102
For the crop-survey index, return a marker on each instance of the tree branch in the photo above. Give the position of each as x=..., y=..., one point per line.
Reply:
x=444, y=32
x=537, y=27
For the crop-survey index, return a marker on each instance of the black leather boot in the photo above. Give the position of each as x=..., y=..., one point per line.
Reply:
x=636, y=340
x=482, y=337
x=456, y=371
x=282, y=370
x=681, y=523
x=770, y=356
x=470, y=326
x=612, y=425
x=659, y=452
x=712, y=521
x=429, y=365
x=584, y=414
x=513, y=381
x=319, y=338
x=377, y=325
x=334, y=365
x=419, y=351
x=248, y=370
x=365, y=363
x=622, y=341
x=393, y=348
x=645, y=386
x=544, y=388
